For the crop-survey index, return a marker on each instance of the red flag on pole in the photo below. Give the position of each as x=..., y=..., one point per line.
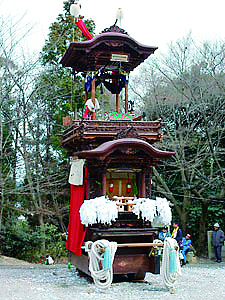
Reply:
x=80, y=24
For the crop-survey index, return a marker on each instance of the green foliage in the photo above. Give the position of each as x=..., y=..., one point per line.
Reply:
x=55, y=245
x=62, y=32
x=20, y=240
x=62, y=93
x=216, y=213
x=17, y=238
x=55, y=94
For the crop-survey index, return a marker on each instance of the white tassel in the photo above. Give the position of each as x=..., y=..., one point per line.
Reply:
x=119, y=15
x=75, y=9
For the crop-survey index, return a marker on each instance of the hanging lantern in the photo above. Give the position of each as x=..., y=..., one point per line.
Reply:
x=129, y=186
x=111, y=187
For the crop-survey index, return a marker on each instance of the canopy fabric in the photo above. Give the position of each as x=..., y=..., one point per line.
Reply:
x=114, y=86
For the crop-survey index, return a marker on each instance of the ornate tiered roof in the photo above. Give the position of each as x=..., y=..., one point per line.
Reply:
x=102, y=51
x=108, y=55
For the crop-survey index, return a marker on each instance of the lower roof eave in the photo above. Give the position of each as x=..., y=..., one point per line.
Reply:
x=105, y=149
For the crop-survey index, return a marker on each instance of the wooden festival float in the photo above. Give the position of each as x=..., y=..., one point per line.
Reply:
x=112, y=159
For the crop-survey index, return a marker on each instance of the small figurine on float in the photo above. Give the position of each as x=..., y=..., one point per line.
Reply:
x=90, y=107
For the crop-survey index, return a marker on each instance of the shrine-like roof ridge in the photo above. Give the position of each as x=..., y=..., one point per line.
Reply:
x=93, y=54
x=105, y=149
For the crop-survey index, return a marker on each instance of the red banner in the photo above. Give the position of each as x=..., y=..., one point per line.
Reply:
x=83, y=28
x=76, y=231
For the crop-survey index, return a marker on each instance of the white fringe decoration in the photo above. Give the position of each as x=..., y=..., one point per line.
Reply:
x=98, y=210
x=102, y=210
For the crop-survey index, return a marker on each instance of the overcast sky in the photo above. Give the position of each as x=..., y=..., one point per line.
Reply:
x=154, y=23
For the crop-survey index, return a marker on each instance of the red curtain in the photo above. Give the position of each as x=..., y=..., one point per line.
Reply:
x=76, y=231
x=83, y=28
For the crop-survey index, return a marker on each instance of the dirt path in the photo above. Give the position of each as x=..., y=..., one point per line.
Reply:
x=10, y=261
x=20, y=280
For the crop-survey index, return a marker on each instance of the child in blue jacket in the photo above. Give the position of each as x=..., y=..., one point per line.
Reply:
x=186, y=246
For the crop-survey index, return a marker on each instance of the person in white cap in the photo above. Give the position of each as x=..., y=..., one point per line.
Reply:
x=217, y=241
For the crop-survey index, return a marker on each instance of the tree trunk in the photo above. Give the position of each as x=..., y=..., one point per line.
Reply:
x=1, y=171
x=202, y=245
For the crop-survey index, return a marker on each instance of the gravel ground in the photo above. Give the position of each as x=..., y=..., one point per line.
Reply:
x=20, y=281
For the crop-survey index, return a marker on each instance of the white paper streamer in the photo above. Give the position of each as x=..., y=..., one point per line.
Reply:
x=164, y=210
x=98, y=210
x=102, y=210
x=149, y=209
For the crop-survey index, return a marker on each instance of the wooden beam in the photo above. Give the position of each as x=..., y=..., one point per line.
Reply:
x=125, y=204
x=122, y=198
x=139, y=245
x=104, y=182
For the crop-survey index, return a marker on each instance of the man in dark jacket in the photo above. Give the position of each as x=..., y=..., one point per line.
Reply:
x=217, y=241
x=177, y=234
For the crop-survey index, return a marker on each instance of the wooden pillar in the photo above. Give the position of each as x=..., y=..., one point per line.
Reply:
x=85, y=96
x=150, y=180
x=118, y=103
x=88, y=180
x=104, y=182
x=93, y=96
x=126, y=97
x=143, y=185
x=138, y=184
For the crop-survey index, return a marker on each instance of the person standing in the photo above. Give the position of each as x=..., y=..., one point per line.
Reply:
x=217, y=241
x=164, y=234
x=177, y=234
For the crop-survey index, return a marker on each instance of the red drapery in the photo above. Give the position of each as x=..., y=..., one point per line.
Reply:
x=76, y=231
x=83, y=28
